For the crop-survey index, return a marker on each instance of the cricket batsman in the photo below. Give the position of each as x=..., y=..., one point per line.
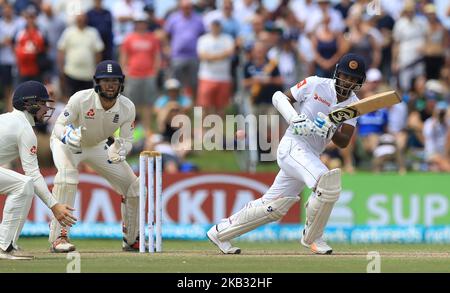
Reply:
x=80, y=135
x=305, y=107
x=17, y=140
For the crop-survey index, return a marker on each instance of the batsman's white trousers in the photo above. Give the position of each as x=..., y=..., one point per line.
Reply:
x=19, y=190
x=299, y=166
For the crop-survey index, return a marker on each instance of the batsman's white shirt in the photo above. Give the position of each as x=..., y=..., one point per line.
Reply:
x=299, y=157
x=17, y=140
x=314, y=95
x=85, y=109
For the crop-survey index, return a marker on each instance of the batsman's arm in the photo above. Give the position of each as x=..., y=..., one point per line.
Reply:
x=283, y=102
x=343, y=135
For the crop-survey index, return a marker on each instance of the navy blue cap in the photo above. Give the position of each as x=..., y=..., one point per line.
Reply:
x=108, y=69
x=28, y=91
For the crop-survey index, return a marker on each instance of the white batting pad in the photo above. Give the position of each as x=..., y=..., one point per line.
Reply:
x=320, y=204
x=254, y=216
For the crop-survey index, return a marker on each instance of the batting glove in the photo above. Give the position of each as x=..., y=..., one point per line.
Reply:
x=324, y=127
x=302, y=126
x=72, y=138
x=116, y=151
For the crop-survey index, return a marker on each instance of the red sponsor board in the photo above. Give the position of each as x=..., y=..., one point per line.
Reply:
x=187, y=198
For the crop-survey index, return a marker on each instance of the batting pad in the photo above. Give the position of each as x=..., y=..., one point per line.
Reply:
x=320, y=204
x=64, y=194
x=254, y=216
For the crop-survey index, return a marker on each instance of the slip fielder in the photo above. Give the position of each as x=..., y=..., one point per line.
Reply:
x=17, y=140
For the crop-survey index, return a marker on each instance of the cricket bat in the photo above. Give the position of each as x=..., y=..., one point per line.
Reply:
x=361, y=107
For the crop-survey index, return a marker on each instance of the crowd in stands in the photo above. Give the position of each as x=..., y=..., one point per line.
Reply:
x=217, y=54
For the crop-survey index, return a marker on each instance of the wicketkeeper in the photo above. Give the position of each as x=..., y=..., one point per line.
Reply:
x=80, y=135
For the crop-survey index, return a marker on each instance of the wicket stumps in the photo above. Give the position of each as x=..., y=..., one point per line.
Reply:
x=152, y=184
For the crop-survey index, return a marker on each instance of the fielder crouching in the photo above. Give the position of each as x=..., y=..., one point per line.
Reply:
x=305, y=107
x=17, y=140
x=80, y=135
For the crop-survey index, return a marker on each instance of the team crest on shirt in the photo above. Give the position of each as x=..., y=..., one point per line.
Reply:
x=322, y=100
x=116, y=118
x=90, y=114
x=33, y=150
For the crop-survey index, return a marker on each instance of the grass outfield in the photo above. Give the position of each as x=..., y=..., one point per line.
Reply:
x=189, y=257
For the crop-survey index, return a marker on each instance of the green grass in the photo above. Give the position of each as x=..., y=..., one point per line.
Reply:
x=261, y=257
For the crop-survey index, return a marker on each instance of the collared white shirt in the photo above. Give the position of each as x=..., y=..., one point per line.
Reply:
x=314, y=95
x=17, y=140
x=85, y=109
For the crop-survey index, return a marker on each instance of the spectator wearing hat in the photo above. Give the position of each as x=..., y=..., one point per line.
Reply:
x=435, y=132
x=101, y=19
x=79, y=50
x=140, y=58
x=173, y=94
x=215, y=50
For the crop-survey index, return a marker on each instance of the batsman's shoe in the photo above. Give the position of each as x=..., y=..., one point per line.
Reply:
x=319, y=246
x=224, y=246
x=62, y=245
x=12, y=256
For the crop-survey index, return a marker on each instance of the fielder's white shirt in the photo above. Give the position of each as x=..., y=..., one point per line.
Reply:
x=313, y=95
x=85, y=109
x=17, y=140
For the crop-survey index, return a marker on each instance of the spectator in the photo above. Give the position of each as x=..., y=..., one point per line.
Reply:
x=287, y=58
x=140, y=59
x=8, y=29
x=316, y=17
x=409, y=37
x=80, y=50
x=436, y=44
x=173, y=94
x=230, y=24
x=362, y=42
x=385, y=24
x=101, y=19
x=183, y=43
x=173, y=154
x=215, y=50
x=343, y=7
x=435, y=131
x=123, y=12
x=328, y=47
x=302, y=9
x=261, y=79
x=52, y=26
x=29, y=44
